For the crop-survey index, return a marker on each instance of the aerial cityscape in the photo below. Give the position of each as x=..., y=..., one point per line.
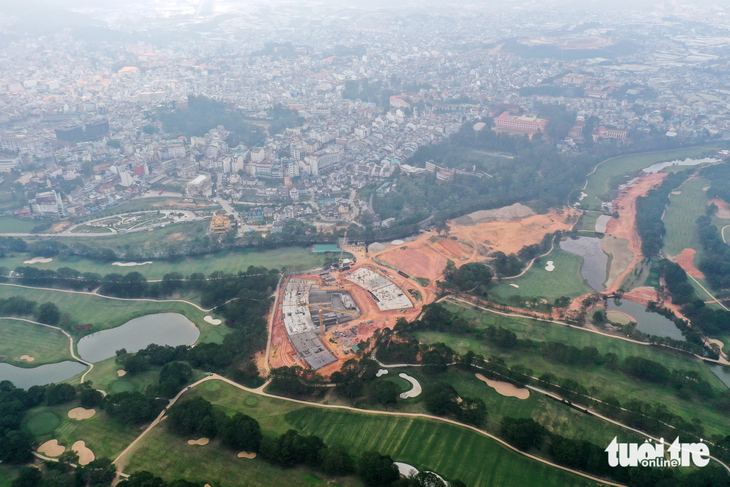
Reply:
x=248, y=243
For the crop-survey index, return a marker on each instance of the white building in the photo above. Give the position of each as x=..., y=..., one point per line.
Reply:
x=126, y=179
x=200, y=187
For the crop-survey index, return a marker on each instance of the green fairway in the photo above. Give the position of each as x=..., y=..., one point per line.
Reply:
x=402, y=384
x=451, y=451
x=103, y=435
x=681, y=216
x=611, y=173
x=565, y=280
x=608, y=383
x=9, y=224
x=587, y=221
x=45, y=345
x=229, y=261
x=42, y=423
x=106, y=313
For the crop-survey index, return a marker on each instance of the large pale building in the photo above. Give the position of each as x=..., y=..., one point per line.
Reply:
x=523, y=123
x=48, y=204
x=200, y=187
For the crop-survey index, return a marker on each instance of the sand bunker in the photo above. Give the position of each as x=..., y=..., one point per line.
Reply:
x=81, y=413
x=245, y=454
x=211, y=320
x=121, y=373
x=86, y=456
x=415, y=392
x=27, y=358
x=51, y=448
x=550, y=266
x=515, y=286
x=199, y=441
x=686, y=261
x=723, y=209
x=397, y=242
x=131, y=264
x=37, y=260
x=621, y=256
x=513, y=212
x=505, y=388
x=381, y=372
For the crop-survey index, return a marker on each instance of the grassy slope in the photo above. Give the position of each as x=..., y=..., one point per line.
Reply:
x=107, y=313
x=608, y=173
x=587, y=222
x=47, y=346
x=565, y=280
x=608, y=383
x=452, y=451
x=228, y=261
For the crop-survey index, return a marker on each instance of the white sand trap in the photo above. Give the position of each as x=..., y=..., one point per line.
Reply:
x=415, y=392
x=705, y=188
x=121, y=373
x=51, y=448
x=37, y=260
x=676, y=192
x=381, y=372
x=86, y=456
x=81, y=413
x=199, y=441
x=131, y=264
x=397, y=242
x=406, y=469
x=505, y=388
x=245, y=454
x=211, y=320
x=550, y=266
x=27, y=358
x=515, y=286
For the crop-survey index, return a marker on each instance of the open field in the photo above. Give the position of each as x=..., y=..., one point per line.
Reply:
x=45, y=345
x=607, y=382
x=449, y=450
x=612, y=173
x=565, y=280
x=106, y=313
x=9, y=224
x=104, y=436
x=587, y=222
x=229, y=261
x=681, y=215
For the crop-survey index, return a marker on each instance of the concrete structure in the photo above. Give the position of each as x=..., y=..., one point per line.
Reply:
x=126, y=178
x=200, y=187
x=387, y=295
x=605, y=133
x=48, y=204
x=524, y=123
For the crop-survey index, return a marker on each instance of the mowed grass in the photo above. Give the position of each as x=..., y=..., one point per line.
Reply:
x=45, y=345
x=106, y=313
x=564, y=280
x=103, y=435
x=7, y=475
x=229, y=261
x=608, y=383
x=104, y=376
x=587, y=221
x=451, y=451
x=611, y=172
x=681, y=216
x=9, y=224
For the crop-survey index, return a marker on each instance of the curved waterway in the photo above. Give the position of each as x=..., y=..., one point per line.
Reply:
x=162, y=329
x=595, y=260
x=647, y=321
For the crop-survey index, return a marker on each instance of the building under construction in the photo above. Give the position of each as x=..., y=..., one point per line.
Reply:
x=308, y=311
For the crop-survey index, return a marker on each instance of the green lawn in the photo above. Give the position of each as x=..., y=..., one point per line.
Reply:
x=230, y=261
x=45, y=345
x=565, y=280
x=451, y=451
x=9, y=224
x=103, y=435
x=587, y=221
x=106, y=313
x=681, y=215
x=104, y=376
x=608, y=383
x=611, y=173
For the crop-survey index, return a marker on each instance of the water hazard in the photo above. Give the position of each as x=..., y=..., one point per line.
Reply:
x=647, y=321
x=595, y=260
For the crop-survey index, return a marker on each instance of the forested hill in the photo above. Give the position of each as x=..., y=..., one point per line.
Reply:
x=538, y=174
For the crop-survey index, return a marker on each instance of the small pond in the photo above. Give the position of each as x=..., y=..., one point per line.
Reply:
x=162, y=329
x=723, y=373
x=654, y=168
x=43, y=374
x=647, y=321
x=595, y=260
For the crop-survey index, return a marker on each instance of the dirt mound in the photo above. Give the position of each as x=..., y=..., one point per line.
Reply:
x=453, y=249
x=686, y=261
x=507, y=213
x=51, y=448
x=418, y=261
x=81, y=413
